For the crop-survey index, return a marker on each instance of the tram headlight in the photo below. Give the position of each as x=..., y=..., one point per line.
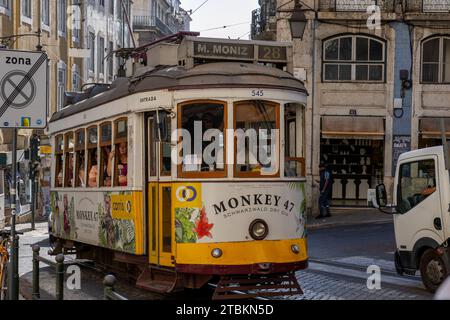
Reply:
x=258, y=229
x=216, y=252
x=295, y=249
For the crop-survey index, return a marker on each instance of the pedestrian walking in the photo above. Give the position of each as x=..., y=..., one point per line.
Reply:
x=326, y=187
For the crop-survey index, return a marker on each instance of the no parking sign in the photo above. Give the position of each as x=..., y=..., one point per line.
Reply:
x=23, y=89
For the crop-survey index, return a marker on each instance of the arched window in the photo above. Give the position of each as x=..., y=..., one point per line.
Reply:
x=436, y=60
x=353, y=58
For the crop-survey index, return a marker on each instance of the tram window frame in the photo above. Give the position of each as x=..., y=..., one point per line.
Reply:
x=69, y=157
x=236, y=172
x=152, y=147
x=294, y=160
x=118, y=139
x=204, y=174
x=80, y=157
x=59, y=160
x=103, y=161
x=92, y=149
x=168, y=144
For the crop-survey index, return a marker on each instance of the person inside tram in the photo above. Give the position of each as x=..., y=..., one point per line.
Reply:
x=93, y=171
x=81, y=174
x=122, y=163
x=70, y=171
x=106, y=154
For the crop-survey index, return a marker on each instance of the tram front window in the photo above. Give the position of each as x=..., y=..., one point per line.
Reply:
x=203, y=137
x=256, y=124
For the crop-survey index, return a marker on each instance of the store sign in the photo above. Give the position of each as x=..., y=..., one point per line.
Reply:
x=205, y=215
x=436, y=6
x=354, y=5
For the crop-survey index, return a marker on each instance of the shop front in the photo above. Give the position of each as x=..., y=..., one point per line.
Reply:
x=353, y=149
x=430, y=132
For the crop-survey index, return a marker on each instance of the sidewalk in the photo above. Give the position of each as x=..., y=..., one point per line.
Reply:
x=348, y=216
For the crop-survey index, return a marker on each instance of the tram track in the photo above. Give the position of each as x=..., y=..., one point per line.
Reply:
x=353, y=271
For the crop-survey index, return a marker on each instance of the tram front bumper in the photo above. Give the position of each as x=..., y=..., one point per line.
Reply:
x=251, y=257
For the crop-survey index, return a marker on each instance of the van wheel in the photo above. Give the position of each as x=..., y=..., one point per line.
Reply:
x=432, y=270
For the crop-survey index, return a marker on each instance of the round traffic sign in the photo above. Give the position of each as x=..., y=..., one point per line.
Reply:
x=10, y=82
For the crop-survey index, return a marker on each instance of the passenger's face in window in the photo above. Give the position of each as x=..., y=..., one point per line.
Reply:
x=123, y=148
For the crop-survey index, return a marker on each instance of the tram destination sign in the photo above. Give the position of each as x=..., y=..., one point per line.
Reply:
x=242, y=51
x=23, y=89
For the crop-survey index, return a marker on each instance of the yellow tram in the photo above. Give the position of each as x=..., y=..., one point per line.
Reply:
x=134, y=189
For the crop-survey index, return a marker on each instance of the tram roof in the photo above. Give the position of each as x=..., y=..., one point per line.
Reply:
x=210, y=75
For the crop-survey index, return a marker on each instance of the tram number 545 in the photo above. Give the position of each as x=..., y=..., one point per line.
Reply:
x=257, y=93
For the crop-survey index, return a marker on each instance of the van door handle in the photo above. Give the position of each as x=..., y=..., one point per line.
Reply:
x=437, y=223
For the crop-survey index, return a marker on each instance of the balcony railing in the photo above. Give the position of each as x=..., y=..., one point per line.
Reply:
x=147, y=22
x=144, y=22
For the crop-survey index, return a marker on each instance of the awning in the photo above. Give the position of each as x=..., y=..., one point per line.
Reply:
x=338, y=127
x=430, y=128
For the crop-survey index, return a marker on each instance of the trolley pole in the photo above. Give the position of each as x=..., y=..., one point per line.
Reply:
x=14, y=274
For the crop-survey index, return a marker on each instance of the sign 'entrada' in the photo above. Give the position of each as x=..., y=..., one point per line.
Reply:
x=240, y=50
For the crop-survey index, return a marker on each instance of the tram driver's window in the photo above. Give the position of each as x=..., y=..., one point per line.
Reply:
x=92, y=156
x=294, y=135
x=59, y=149
x=119, y=155
x=105, y=154
x=203, y=148
x=256, y=123
x=69, y=157
x=417, y=182
x=80, y=179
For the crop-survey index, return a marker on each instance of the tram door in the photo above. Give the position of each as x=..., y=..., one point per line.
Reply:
x=161, y=229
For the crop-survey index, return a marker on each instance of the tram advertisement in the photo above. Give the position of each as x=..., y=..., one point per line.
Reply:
x=213, y=212
x=106, y=219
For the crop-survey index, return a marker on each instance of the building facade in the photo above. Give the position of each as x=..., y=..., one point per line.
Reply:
x=379, y=81
x=264, y=21
x=154, y=19
x=104, y=28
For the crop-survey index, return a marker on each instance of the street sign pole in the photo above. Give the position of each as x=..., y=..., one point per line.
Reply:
x=23, y=104
x=14, y=270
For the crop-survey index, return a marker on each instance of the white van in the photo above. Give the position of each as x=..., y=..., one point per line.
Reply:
x=421, y=209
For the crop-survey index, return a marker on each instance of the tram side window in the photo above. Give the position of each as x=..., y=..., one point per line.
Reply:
x=92, y=157
x=80, y=158
x=59, y=149
x=119, y=156
x=68, y=150
x=105, y=153
x=256, y=138
x=294, y=135
x=204, y=144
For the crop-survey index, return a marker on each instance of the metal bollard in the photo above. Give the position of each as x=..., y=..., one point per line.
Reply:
x=59, y=277
x=35, y=294
x=109, y=281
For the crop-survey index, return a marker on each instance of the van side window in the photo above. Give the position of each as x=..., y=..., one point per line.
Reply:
x=417, y=182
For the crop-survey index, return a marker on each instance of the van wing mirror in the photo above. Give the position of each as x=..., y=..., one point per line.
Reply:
x=381, y=196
